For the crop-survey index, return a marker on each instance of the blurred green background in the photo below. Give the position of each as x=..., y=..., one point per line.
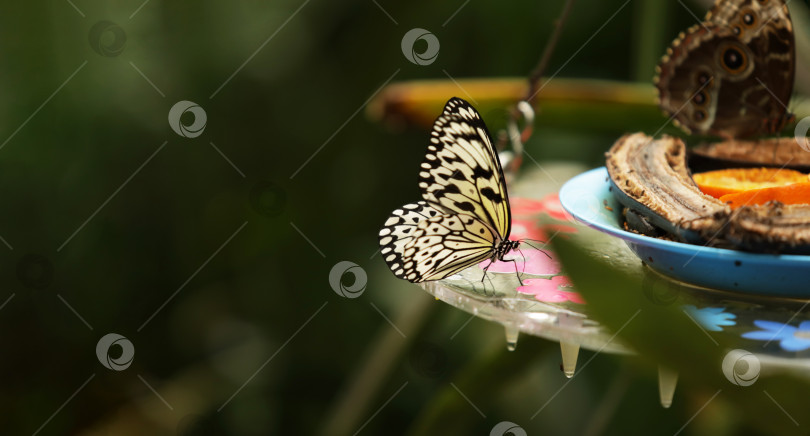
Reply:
x=212, y=254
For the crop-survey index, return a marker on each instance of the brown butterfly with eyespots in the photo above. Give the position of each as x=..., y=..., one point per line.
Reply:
x=731, y=75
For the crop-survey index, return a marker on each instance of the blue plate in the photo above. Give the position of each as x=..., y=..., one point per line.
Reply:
x=585, y=197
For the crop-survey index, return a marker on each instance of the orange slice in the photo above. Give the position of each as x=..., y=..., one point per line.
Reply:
x=797, y=193
x=723, y=182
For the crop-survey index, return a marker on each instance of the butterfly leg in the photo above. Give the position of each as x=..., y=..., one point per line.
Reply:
x=485, y=270
x=517, y=273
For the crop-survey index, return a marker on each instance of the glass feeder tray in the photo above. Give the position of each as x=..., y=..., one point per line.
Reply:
x=775, y=329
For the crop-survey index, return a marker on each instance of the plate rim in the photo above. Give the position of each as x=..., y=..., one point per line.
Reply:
x=601, y=173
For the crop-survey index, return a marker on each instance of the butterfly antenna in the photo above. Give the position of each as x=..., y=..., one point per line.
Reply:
x=533, y=240
x=531, y=245
x=540, y=249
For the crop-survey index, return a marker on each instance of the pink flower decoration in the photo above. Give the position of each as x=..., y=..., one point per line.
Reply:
x=532, y=261
x=551, y=205
x=526, y=218
x=524, y=229
x=526, y=206
x=549, y=291
x=529, y=260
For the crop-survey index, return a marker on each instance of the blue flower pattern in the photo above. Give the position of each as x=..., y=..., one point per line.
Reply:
x=790, y=338
x=711, y=318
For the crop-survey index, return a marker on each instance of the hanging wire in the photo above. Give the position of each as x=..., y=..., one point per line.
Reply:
x=519, y=135
x=523, y=112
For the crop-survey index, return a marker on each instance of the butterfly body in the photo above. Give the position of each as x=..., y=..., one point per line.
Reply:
x=732, y=75
x=465, y=217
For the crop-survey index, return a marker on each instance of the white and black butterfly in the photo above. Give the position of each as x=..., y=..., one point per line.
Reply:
x=465, y=217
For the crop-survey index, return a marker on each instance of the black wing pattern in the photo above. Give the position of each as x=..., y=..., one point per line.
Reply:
x=465, y=217
x=461, y=172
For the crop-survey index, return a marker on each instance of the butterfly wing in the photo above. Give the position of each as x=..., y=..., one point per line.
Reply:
x=749, y=16
x=444, y=245
x=461, y=172
x=766, y=27
x=465, y=218
x=733, y=74
x=399, y=229
x=688, y=78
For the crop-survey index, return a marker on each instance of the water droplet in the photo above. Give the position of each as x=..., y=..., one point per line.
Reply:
x=667, y=380
x=570, y=353
x=512, y=334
